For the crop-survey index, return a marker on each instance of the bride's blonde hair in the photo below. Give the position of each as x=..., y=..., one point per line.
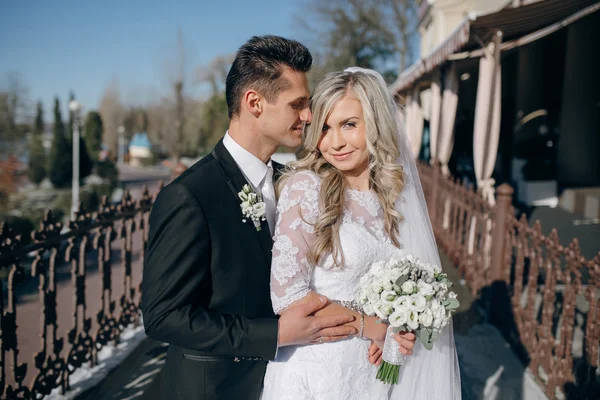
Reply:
x=386, y=177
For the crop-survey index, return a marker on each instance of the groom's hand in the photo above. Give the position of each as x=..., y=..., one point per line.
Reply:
x=298, y=325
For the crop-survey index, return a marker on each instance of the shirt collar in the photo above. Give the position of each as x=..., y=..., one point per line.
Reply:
x=252, y=167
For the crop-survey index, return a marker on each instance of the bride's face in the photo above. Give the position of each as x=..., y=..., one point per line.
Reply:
x=343, y=141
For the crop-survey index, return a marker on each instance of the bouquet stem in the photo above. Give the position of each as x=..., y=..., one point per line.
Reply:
x=388, y=373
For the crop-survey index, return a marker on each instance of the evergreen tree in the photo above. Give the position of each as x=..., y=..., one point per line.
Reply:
x=85, y=162
x=37, y=155
x=93, y=131
x=61, y=156
x=38, y=127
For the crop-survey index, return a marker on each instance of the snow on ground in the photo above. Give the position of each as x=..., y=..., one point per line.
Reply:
x=109, y=358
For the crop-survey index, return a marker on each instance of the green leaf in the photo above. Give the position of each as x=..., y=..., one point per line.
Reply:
x=422, y=336
x=453, y=304
x=401, y=280
x=397, y=329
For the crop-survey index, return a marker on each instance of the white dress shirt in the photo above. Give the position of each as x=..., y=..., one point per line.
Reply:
x=257, y=173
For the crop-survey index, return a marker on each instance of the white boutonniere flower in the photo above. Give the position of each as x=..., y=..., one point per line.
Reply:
x=253, y=208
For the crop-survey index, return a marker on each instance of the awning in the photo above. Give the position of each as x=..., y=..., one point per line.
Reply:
x=515, y=23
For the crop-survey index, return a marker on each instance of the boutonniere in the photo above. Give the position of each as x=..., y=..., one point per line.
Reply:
x=253, y=208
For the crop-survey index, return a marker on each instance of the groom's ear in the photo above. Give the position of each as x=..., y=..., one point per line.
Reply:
x=253, y=102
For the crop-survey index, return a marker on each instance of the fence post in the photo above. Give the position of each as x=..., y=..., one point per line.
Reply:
x=504, y=194
x=435, y=183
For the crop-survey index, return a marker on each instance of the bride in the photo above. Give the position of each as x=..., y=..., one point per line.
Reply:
x=352, y=198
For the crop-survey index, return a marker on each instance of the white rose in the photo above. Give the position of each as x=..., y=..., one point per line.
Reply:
x=402, y=301
x=452, y=295
x=243, y=196
x=425, y=289
x=439, y=314
x=410, y=258
x=383, y=281
x=376, y=287
x=395, y=274
x=246, y=206
x=413, y=320
x=388, y=296
x=373, y=297
x=376, y=268
x=437, y=269
x=428, y=268
x=362, y=298
x=426, y=318
x=435, y=305
x=259, y=209
x=368, y=309
x=443, y=287
x=408, y=287
x=418, y=302
x=399, y=317
x=439, y=323
x=383, y=311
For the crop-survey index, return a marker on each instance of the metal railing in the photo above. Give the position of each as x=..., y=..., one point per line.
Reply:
x=55, y=255
x=543, y=296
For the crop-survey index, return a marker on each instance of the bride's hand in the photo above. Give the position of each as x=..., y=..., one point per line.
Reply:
x=406, y=342
x=375, y=353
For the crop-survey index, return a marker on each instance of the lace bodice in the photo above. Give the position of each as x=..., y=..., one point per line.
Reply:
x=362, y=236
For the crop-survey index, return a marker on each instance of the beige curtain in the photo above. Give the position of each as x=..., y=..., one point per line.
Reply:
x=414, y=122
x=487, y=120
x=436, y=113
x=445, y=141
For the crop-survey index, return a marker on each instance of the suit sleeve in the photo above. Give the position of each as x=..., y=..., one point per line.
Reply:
x=177, y=265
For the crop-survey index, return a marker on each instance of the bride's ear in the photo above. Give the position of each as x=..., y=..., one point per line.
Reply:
x=253, y=102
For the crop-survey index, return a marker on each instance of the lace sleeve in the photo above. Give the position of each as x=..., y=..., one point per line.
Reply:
x=297, y=209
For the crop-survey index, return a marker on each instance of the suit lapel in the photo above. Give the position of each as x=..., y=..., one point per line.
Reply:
x=236, y=181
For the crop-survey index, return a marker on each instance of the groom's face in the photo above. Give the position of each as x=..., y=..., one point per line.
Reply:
x=283, y=120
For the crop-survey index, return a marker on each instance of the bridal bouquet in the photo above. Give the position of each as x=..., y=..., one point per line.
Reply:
x=410, y=296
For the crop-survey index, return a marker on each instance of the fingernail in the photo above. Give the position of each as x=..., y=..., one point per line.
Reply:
x=322, y=300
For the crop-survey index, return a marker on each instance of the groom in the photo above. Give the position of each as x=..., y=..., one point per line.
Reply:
x=207, y=267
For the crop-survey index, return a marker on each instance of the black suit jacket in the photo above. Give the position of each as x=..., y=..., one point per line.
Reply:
x=205, y=287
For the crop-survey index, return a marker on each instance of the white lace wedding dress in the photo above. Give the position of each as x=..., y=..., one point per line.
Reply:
x=340, y=370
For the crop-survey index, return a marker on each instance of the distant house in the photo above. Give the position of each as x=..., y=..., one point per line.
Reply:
x=140, y=149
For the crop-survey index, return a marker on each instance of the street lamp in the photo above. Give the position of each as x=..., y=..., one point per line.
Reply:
x=75, y=108
x=121, y=148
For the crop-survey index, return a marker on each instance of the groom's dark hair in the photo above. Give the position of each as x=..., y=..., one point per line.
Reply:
x=259, y=64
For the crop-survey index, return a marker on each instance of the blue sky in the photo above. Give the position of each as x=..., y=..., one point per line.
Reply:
x=82, y=45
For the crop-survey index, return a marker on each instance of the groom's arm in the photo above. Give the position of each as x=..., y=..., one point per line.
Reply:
x=177, y=270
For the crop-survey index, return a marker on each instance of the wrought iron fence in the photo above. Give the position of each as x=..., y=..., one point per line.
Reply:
x=553, y=292
x=90, y=241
